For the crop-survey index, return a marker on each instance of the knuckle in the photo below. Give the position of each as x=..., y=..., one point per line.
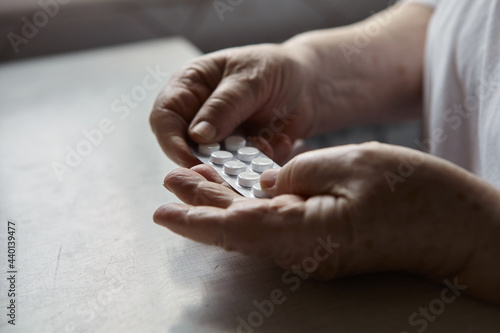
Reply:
x=155, y=118
x=363, y=153
x=224, y=108
x=297, y=170
x=180, y=101
x=202, y=71
x=190, y=76
x=371, y=145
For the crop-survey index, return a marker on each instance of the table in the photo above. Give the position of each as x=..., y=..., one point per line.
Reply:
x=90, y=259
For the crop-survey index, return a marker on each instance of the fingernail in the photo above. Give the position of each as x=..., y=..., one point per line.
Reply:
x=205, y=130
x=268, y=178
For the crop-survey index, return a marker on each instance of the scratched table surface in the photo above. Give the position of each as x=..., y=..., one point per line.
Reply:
x=90, y=259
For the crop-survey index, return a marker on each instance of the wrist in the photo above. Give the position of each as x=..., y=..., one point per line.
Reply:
x=345, y=91
x=325, y=79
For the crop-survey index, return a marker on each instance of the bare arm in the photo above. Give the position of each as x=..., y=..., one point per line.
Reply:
x=370, y=71
x=313, y=83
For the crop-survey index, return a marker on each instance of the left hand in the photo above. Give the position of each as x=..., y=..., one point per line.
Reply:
x=341, y=196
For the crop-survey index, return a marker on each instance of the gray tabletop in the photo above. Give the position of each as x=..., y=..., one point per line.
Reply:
x=81, y=176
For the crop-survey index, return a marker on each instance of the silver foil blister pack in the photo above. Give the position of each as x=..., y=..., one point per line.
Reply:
x=238, y=163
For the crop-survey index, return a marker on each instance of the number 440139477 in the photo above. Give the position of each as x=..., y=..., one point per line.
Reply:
x=11, y=245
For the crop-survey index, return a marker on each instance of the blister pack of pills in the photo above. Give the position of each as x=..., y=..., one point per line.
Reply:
x=238, y=163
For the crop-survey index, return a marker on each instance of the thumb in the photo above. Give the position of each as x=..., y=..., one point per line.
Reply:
x=340, y=170
x=231, y=103
x=307, y=174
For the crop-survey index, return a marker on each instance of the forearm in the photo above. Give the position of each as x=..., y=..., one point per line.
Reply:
x=367, y=72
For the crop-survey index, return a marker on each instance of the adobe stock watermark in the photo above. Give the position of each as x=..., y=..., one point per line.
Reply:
x=292, y=279
x=277, y=124
x=223, y=6
x=364, y=33
x=420, y=320
x=453, y=119
x=40, y=18
x=121, y=108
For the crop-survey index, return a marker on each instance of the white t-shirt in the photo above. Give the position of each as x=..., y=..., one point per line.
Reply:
x=462, y=85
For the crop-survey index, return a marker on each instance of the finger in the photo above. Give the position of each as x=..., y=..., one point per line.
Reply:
x=268, y=180
x=170, y=130
x=251, y=227
x=297, y=177
x=322, y=171
x=232, y=102
x=179, y=101
x=194, y=189
x=202, y=224
x=211, y=175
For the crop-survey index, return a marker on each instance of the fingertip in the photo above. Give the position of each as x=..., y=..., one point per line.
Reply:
x=173, y=177
x=203, y=132
x=169, y=175
x=158, y=215
x=188, y=162
x=208, y=172
x=166, y=213
x=179, y=151
x=202, y=168
x=268, y=180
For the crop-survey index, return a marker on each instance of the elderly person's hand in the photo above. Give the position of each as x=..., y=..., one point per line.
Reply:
x=261, y=89
x=310, y=84
x=356, y=209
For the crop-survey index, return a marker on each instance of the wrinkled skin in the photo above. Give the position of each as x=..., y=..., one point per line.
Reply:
x=254, y=85
x=340, y=195
x=437, y=220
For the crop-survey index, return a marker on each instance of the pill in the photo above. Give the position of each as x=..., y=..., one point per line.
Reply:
x=233, y=143
x=246, y=154
x=234, y=168
x=258, y=192
x=208, y=148
x=220, y=157
x=248, y=178
x=261, y=164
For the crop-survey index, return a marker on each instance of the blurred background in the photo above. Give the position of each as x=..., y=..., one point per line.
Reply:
x=81, y=24
x=43, y=27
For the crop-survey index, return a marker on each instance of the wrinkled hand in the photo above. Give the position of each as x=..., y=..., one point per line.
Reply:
x=259, y=89
x=338, y=198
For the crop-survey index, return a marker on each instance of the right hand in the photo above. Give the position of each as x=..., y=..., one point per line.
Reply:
x=262, y=89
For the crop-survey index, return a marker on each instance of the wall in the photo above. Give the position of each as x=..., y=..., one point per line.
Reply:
x=81, y=24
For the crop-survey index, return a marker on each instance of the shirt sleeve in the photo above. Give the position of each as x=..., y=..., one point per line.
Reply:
x=430, y=3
